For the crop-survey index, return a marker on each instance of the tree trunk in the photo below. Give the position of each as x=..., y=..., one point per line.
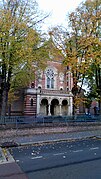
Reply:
x=100, y=104
x=4, y=102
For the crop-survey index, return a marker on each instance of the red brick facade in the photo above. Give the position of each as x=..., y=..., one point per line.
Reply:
x=51, y=92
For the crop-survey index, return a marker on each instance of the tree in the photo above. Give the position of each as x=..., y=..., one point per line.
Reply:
x=85, y=28
x=91, y=28
x=20, y=45
x=81, y=45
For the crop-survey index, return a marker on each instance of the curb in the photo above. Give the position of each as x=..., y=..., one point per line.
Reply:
x=69, y=139
x=56, y=140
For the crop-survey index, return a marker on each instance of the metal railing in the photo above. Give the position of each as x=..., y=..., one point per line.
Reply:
x=27, y=121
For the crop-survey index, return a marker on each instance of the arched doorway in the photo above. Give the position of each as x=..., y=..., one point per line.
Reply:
x=44, y=107
x=54, y=107
x=64, y=107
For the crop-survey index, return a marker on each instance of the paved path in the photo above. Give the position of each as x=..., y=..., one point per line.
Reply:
x=11, y=171
x=56, y=137
x=40, y=138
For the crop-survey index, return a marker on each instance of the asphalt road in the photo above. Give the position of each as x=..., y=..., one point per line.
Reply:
x=64, y=160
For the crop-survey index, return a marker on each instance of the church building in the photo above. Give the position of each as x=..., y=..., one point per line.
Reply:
x=50, y=92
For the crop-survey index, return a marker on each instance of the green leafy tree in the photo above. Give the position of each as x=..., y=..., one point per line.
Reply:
x=22, y=49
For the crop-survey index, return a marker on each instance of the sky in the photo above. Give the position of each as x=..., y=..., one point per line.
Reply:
x=58, y=10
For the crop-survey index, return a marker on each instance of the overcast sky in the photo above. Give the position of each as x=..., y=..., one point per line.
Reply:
x=58, y=10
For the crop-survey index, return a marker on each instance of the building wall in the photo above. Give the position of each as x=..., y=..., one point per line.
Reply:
x=17, y=106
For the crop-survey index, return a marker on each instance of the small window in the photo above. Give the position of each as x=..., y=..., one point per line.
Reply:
x=32, y=85
x=31, y=101
x=48, y=82
x=39, y=87
x=61, y=89
x=67, y=67
x=52, y=83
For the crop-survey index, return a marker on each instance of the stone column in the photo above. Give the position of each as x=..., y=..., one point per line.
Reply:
x=38, y=104
x=49, y=113
x=60, y=109
x=70, y=106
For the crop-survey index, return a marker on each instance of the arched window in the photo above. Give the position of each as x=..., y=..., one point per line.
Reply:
x=32, y=85
x=31, y=101
x=50, y=78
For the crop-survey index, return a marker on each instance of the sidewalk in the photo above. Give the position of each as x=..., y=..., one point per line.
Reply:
x=9, y=169
x=56, y=137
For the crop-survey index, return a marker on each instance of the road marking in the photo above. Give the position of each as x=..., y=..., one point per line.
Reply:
x=77, y=151
x=37, y=157
x=94, y=148
x=17, y=160
x=59, y=154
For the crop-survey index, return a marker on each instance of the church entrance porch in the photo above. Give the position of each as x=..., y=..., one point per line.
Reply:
x=54, y=107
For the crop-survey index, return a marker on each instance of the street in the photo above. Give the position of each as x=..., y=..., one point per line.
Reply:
x=64, y=160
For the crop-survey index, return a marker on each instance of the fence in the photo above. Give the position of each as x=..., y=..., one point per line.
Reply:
x=29, y=121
